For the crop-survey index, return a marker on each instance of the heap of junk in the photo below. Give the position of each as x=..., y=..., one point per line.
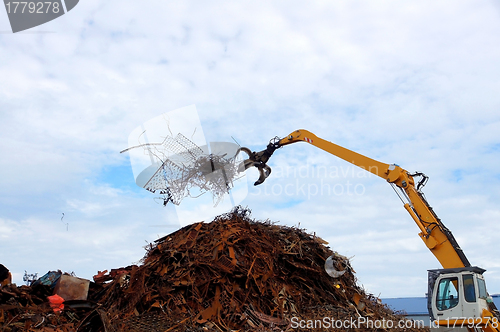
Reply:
x=231, y=274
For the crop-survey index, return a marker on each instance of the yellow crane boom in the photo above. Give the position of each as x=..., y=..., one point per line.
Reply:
x=435, y=235
x=457, y=271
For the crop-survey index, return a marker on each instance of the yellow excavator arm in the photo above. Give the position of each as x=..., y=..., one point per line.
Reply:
x=433, y=232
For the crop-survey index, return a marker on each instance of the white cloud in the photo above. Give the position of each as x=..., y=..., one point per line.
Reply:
x=411, y=83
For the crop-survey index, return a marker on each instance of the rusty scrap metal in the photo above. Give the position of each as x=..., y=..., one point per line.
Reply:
x=233, y=274
x=238, y=273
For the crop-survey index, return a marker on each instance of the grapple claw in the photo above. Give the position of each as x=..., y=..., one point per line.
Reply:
x=259, y=160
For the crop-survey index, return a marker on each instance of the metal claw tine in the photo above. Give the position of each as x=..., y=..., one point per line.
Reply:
x=246, y=150
x=264, y=174
x=259, y=160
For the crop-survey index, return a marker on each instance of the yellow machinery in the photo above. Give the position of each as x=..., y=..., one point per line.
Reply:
x=457, y=293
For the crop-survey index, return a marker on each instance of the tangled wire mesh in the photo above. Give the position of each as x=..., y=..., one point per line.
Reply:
x=183, y=168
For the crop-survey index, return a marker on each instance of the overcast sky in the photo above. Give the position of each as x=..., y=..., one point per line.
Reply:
x=413, y=83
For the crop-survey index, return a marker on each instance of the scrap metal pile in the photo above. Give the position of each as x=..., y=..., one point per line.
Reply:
x=233, y=274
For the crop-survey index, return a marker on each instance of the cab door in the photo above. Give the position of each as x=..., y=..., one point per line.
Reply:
x=446, y=300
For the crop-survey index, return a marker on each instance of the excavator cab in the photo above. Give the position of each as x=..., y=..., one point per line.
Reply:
x=458, y=297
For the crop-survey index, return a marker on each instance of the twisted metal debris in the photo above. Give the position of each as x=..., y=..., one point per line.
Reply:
x=233, y=274
x=182, y=166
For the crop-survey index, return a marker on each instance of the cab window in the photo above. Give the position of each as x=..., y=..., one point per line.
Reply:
x=447, y=294
x=481, y=285
x=469, y=291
